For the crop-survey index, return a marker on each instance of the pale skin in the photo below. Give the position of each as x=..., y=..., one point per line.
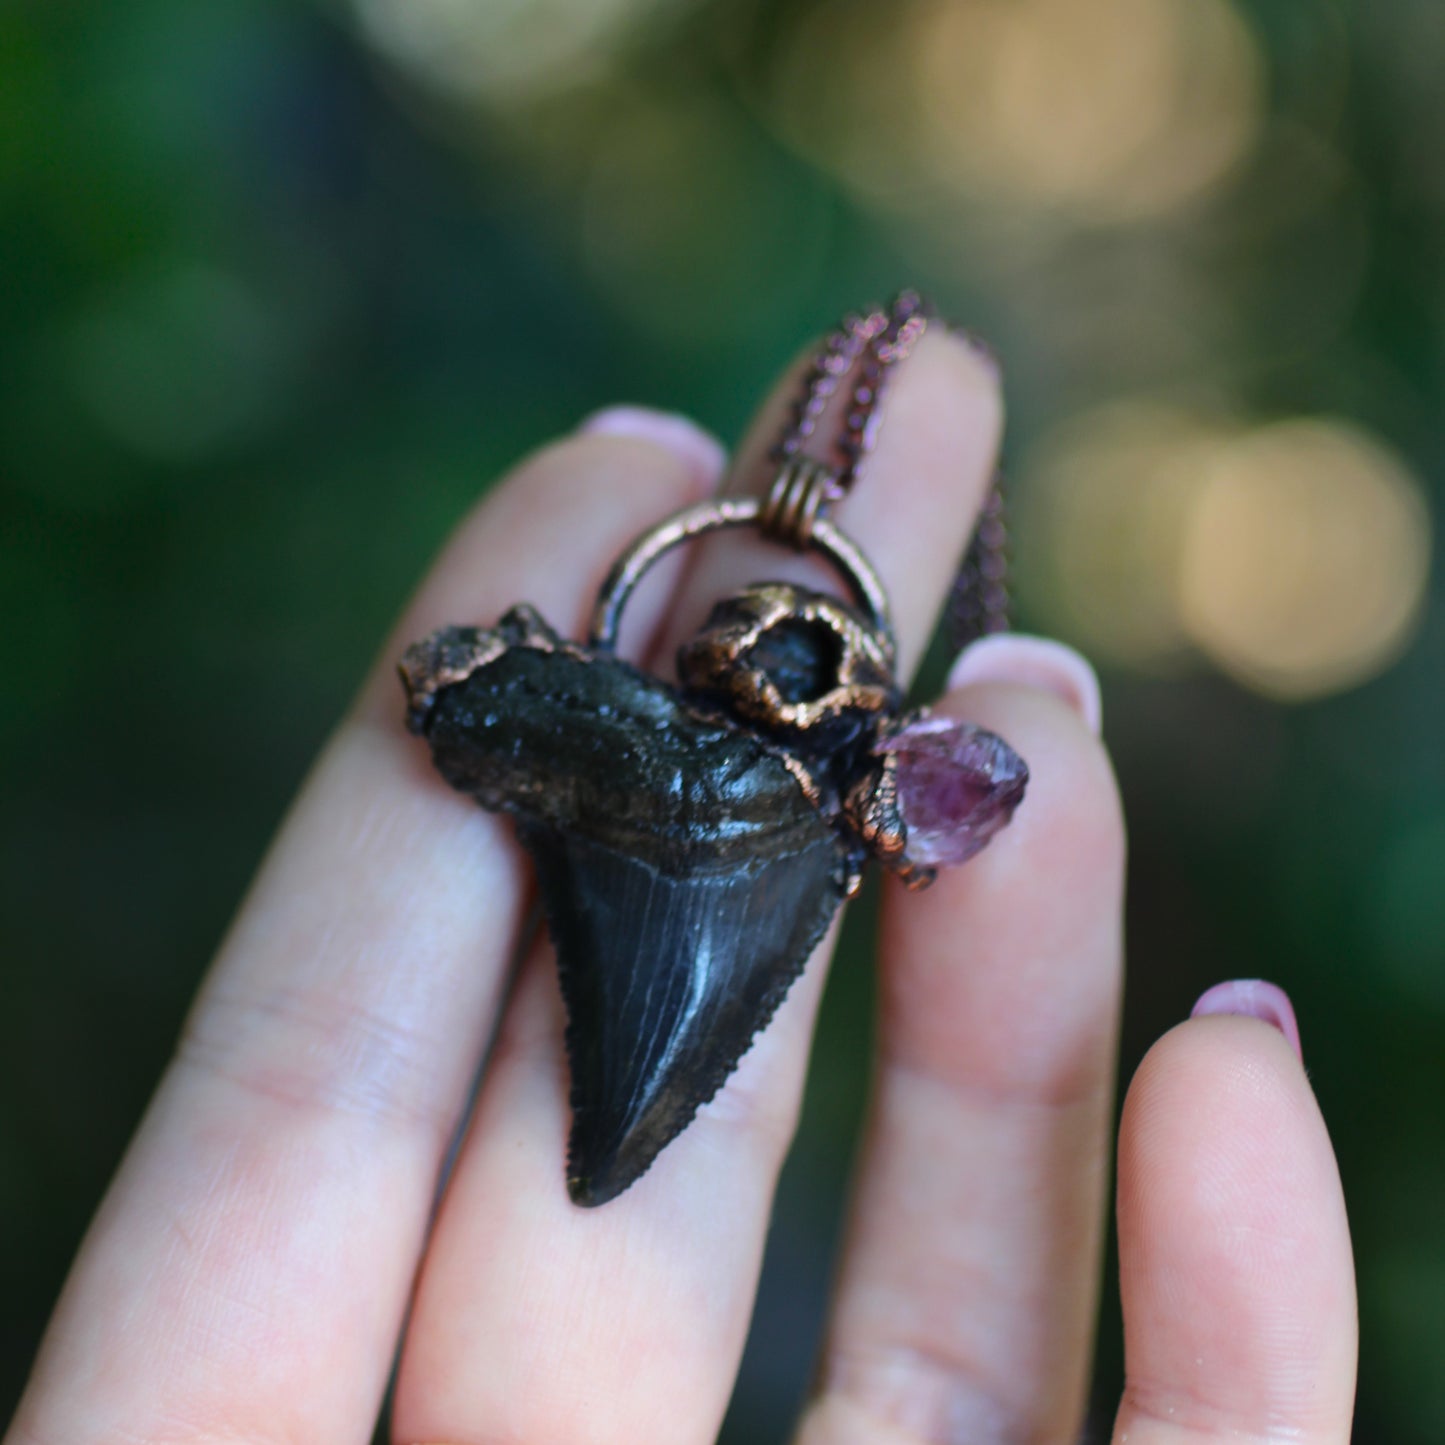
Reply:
x=250, y=1272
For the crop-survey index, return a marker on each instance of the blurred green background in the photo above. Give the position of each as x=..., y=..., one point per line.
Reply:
x=282, y=288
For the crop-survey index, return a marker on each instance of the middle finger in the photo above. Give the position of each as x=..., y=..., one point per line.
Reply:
x=536, y=1320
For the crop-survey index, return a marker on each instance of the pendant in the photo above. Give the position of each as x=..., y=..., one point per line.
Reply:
x=692, y=843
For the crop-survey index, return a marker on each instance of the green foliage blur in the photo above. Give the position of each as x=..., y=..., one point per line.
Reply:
x=282, y=289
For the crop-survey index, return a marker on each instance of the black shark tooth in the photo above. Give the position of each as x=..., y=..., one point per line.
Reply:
x=685, y=873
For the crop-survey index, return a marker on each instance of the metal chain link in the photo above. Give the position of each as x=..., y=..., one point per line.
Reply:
x=978, y=602
x=870, y=346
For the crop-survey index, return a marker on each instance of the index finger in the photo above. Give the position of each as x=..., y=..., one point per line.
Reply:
x=247, y=1274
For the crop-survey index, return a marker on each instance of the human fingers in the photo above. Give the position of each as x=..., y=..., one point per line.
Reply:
x=1237, y=1278
x=536, y=1320
x=969, y=1281
x=247, y=1274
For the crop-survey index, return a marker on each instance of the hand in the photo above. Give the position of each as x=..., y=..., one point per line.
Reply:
x=251, y=1269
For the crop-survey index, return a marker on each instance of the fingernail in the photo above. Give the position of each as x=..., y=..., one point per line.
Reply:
x=703, y=453
x=1252, y=998
x=1037, y=662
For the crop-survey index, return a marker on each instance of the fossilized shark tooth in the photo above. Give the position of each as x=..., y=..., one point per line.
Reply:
x=692, y=843
x=686, y=874
x=669, y=976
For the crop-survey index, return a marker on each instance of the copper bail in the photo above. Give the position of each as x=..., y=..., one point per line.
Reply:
x=727, y=512
x=795, y=501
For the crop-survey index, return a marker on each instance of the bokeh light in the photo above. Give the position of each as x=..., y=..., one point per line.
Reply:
x=1295, y=555
x=1306, y=557
x=177, y=363
x=1102, y=515
x=505, y=52
x=1114, y=110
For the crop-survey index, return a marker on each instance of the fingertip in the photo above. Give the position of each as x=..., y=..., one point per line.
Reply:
x=1034, y=662
x=981, y=349
x=1070, y=822
x=1236, y=1271
x=682, y=438
x=1223, y=1088
x=978, y=361
x=955, y=406
x=546, y=534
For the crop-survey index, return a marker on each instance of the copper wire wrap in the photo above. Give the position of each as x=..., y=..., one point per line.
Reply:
x=802, y=489
x=860, y=353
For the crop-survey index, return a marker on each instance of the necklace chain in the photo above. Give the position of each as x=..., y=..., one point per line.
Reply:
x=979, y=600
x=868, y=347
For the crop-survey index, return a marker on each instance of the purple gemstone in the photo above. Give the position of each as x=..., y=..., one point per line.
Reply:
x=958, y=785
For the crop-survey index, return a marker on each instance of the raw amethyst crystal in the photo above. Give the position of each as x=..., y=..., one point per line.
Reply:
x=958, y=785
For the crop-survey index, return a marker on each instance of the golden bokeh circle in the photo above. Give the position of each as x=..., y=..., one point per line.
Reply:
x=1306, y=557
